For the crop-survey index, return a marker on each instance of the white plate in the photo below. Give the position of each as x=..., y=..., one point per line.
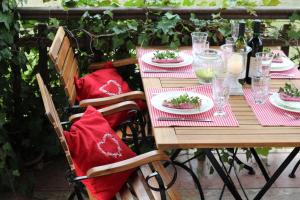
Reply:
x=285, y=65
x=187, y=60
x=285, y=105
x=157, y=101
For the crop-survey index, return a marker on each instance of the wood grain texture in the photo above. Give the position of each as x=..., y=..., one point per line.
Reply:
x=130, y=163
x=56, y=44
x=119, y=107
x=133, y=95
x=117, y=63
x=249, y=134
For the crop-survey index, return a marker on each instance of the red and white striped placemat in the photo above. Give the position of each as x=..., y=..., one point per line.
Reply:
x=188, y=70
x=228, y=120
x=267, y=114
x=294, y=72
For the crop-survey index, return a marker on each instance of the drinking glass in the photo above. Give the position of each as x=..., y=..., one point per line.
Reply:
x=199, y=41
x=260, y=88
x=220, y=86
x=234, y=29
x=206, y=64
x=264, y=61
x=229, y=40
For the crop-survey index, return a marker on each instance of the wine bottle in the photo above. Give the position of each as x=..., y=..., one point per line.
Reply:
x=240, y=43
x=257, y=46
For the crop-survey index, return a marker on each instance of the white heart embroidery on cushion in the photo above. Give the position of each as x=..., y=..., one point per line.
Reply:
x=115, y=141
x=114, y=83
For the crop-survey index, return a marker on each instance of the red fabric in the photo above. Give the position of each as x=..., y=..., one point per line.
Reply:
x=93, y=143
x=104, y=83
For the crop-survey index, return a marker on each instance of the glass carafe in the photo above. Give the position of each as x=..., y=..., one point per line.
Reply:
x=206, y=64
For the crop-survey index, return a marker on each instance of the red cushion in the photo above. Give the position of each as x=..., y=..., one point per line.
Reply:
x=92, y=143
x=104, y=83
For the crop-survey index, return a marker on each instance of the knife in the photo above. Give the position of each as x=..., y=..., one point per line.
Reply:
x=183, y=119
x=282, y=74
x=163, y=71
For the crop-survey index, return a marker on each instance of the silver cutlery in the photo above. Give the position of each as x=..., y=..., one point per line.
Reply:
x=292, y=116
x=282, y=74
x=184, y=119
x=163, y=71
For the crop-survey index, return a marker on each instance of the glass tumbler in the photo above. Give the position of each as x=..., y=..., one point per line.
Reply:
x=221, y=89
x=206, y=64
x=264, y=61
x=260, y=88
x=199, y=40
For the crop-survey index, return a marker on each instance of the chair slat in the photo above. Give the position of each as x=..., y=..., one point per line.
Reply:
x=72, y=97
x=139, y=186
x=56, y=44
x=67, y=66
x=62, y=54
x=125, y=194
x=145, y=169
x=70, y=81
x=172, y=192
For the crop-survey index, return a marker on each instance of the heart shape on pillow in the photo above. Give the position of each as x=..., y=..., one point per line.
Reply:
x=106, y=137
x=111, y=88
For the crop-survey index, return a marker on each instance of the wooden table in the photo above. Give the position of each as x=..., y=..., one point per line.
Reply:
x=249, y=133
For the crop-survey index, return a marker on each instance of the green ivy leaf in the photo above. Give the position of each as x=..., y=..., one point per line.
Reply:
x=295, y=16
x=271, y=2
x=263, y=151
x=188, y=2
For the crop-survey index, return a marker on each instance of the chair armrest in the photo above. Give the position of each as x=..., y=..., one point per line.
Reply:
x=128, y=164
x=117, y=63
x=113, y=99
x=126, y=105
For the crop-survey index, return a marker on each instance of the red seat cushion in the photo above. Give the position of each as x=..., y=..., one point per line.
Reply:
x=104, y=83
x=92, y=142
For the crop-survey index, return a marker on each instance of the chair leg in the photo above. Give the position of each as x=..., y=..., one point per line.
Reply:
x=195, y=178
x=292, y=174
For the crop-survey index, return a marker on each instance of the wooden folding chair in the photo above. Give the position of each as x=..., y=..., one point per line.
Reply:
x=62, y=55
x=150, y=171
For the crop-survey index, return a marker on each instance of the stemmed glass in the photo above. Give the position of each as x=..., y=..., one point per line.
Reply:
x=221, y=88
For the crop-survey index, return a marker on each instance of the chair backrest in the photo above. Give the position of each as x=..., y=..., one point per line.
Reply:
x=54, y=118
x=62, y=55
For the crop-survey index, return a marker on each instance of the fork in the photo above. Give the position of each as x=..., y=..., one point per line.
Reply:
x=292, y=116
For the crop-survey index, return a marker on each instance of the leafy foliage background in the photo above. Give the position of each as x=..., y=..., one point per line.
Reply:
x=25, y=133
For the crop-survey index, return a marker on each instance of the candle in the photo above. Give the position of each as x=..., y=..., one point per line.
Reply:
x=235, y=64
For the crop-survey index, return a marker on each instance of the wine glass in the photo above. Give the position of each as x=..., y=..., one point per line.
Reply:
x=221, y=88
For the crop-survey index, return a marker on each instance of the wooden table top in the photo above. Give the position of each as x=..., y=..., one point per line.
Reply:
x=249, y=133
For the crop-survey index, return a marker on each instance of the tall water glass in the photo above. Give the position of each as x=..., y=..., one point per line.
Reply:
x=199, y=41
x=221, y=88
x=260, y=88
x=234, y=29
x=264, y=61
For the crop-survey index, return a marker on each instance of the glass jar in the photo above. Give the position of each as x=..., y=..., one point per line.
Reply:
x=206, y=64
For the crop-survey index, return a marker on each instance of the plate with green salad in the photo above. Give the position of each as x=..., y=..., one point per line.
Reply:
x=167, y=58
x=182, y=102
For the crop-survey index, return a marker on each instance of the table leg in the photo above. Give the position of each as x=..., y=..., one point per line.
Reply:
x=277, y=173
x=260, y=164
x=226, y=179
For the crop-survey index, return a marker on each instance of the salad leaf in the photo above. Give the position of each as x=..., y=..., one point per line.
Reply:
x=166, y=54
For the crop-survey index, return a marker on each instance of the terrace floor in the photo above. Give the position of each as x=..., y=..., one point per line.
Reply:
x=51, y=184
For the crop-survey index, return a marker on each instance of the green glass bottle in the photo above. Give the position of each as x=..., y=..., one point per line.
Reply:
x=240, y=43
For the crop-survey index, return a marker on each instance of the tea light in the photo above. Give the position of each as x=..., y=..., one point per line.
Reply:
x=235, y=64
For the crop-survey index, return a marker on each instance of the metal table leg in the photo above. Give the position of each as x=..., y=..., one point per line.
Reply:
x=226, y=179
x=277, y=173
x=260, y=164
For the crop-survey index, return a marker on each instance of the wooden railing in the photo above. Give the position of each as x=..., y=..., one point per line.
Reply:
x=139, y=13
x=41, y=42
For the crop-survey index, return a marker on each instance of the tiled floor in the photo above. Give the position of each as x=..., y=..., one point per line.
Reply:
x=51, y=183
